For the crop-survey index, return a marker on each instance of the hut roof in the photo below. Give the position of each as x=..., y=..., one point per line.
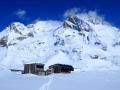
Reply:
x=35, y=63
x=60, y=65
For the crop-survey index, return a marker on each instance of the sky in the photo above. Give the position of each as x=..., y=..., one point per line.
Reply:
x=27, y=11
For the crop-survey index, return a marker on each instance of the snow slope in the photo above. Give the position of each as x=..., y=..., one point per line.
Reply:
x=84, y=40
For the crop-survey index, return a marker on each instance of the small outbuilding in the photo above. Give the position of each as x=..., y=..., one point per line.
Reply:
x=34, y=68
x=61, y=68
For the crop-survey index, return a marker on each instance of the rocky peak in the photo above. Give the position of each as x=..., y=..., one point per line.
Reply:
x=18, y=28
x=3, y=41
x=74, y=22
x=15, y=33
x=74, y=19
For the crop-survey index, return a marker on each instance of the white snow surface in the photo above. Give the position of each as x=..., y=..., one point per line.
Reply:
x=91, y=80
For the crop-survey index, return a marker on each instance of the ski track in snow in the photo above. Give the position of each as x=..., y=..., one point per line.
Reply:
x=46, y=86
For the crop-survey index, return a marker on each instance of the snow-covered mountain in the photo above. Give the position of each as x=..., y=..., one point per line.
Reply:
x=84, y=40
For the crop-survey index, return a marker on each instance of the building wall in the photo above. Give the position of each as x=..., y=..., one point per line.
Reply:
x=31, y=68
x=61, y=68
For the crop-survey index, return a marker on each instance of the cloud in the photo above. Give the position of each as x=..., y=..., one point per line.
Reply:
x=71, y=12
x=37, y=20
x=88, y=15
x=21, y=14
x=81, y=12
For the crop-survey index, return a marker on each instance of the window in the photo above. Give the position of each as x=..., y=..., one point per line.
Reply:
x=39, y=66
